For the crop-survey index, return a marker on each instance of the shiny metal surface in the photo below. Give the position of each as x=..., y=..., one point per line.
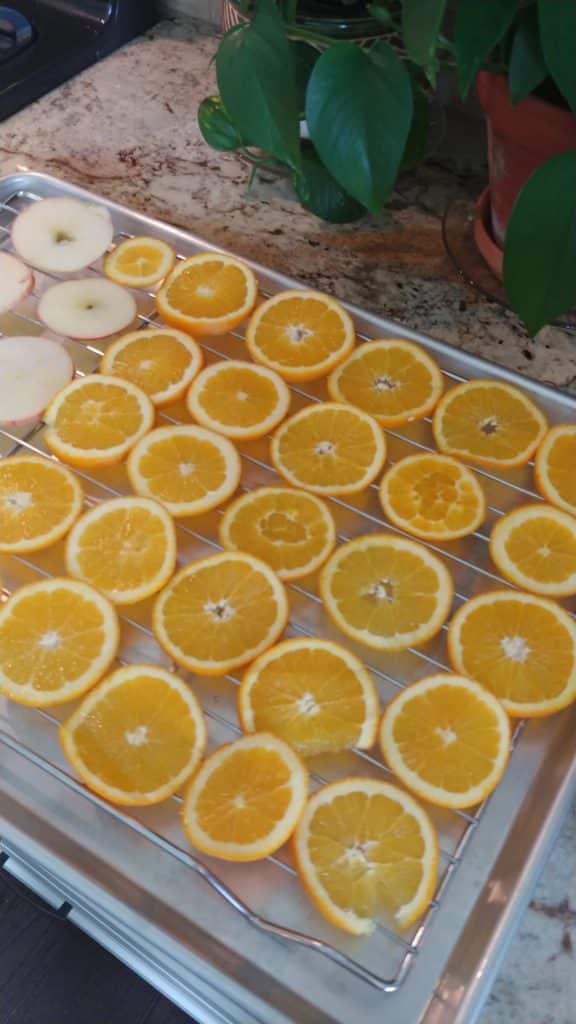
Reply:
x=247, y=931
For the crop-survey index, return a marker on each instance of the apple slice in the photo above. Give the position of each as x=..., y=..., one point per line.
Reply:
x=61, y=235
x=16, y=281
x=32, y=371
x=88, y=308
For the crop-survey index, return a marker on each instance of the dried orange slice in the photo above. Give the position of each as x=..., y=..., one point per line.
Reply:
x=555, y=467
x=329, y=448
x=209, y=293
x=240, y=400
x=220, y=612
x=188, y=469
x=394, y=380
x=388, y=592
x=39, y=502
x=366, y=852
x=137, y=737
x=159, y=360
x=534, y=546
x=312, y=693
x=96, y=420
x=520, y=647
x=126, y=547
x=139, y=262
x=290, y=530
x=447, y=739
x=57, y=638
x=489, y=423
x=246, y=800
x=300, y=334
x=433, y=496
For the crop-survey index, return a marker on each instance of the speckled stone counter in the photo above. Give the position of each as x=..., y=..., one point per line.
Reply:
x=127, y=129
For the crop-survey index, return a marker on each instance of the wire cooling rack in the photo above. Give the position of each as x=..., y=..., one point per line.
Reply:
x=384, y=959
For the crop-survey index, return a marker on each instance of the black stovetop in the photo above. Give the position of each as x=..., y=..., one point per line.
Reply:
x=45, y=42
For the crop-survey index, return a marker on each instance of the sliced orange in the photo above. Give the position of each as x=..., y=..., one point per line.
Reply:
x=140, y=262
x=126, y=547
x=96, y=420
x=534, y=546
x=188, y=469
x=394, y=380
x=240, y=400
x=246, y=800
x=366, y=852
x=555, y=467
x=489, y=423
x=137, y=737
x=159, y=360
x=312, y=693
x=329, y=448
x=209, y=293
x=520, y=647
x=292, y=531
x=388, y=592
x=300, y=334
x=433, y=496
x=447, y=739
x=39, y=502
x=220, y=612
x=57, y=638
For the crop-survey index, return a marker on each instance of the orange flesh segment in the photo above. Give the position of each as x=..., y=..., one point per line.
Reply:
x=300, y=332
x=359, y=819
x=114, y=725
x=542, y=651
x=100, y=416
x=208, y=290
x=260, y=782
x=464, y=761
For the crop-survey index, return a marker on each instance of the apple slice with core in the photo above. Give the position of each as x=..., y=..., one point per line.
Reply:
x=88, y=308
x=32, y=371
x=16, y=281
x=62, y=235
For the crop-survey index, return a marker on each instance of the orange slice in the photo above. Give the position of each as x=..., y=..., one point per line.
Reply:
x=137, y=737
x=39, y=502
x=292, y=531
x=188, y=469
x=388, y=592
x=329, y=448
x=96, y=420
x=57, y=638
x=555, y=467
x=140, y=262
x=300, y=334
x=220, y=613
x=394, y=380
x=312, y=693
x=489, y=423
x=246, y=800
x=366, y=852
x=238, y=399
x=534, y=546
x=433, y=496
x=520, y=647
x=159, y=360
x=209, y=293
x=447, y=739
x=126, y=547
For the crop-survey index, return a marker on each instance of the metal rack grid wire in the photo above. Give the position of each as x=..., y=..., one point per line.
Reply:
x=390, y=673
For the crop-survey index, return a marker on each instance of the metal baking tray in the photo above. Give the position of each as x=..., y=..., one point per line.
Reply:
x=241, y=943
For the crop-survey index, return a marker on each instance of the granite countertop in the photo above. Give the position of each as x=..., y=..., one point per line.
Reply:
x=127, y=129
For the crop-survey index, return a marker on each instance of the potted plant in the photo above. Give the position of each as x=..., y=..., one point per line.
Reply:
x=343, y=120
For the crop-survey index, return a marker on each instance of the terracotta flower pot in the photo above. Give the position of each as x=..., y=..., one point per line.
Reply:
x=520, y=138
